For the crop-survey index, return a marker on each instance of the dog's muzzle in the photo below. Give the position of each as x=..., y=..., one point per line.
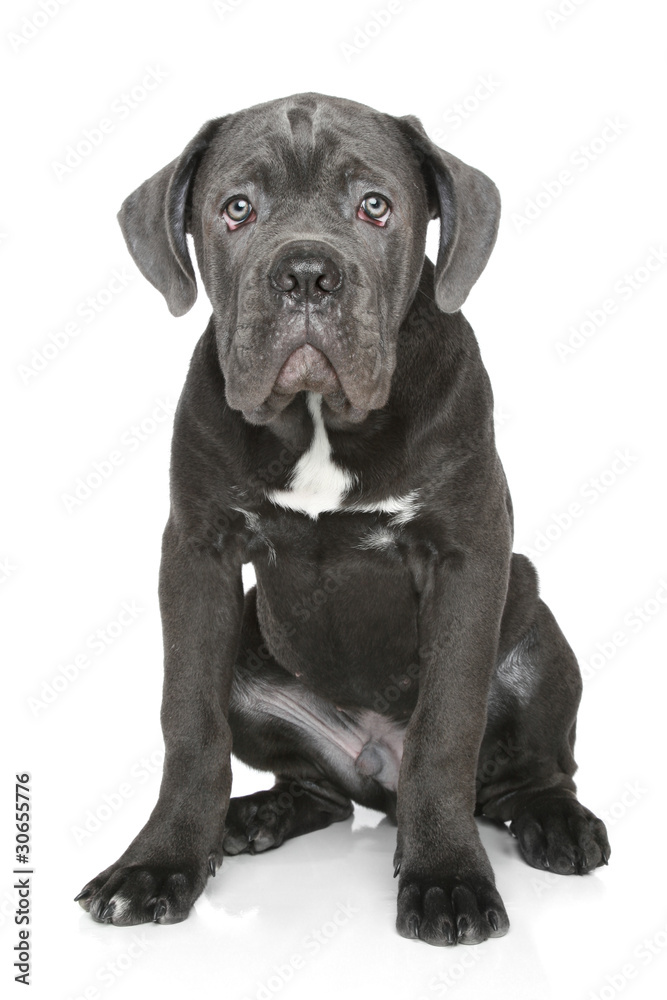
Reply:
x=307, y=276
x=307, y=368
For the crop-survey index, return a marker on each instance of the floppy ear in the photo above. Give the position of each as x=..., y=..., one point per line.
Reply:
x=153, y=221
x=468, y=204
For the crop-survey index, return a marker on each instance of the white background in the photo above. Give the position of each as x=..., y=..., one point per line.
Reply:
x=550, y=89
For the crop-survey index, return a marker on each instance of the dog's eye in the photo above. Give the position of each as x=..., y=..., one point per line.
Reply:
x=237, y=211
x=374, y=208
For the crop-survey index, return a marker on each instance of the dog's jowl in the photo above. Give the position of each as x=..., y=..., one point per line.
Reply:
x=336, y=430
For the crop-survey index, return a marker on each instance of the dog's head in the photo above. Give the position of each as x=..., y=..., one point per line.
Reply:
x=309, y=218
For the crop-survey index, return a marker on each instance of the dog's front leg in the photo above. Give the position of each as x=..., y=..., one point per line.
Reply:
x=165, y=867
x=447, y=891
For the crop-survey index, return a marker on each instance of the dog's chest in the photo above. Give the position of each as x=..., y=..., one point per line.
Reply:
x=335, y=579
x=319, y=485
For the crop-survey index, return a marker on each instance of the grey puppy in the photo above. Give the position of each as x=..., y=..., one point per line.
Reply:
x=336, y=430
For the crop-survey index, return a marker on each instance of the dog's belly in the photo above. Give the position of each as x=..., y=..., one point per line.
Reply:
x=342, y=617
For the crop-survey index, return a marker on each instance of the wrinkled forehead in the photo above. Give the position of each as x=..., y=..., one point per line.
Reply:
x=310, y=145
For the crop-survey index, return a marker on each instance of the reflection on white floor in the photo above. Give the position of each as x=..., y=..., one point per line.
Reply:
x=315, y=918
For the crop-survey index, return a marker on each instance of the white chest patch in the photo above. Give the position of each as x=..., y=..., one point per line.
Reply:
x=318, y=485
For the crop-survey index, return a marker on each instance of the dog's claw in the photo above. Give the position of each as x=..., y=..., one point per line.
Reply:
x=159, y=911
x=492, y=917
x=107, y=911
x=211, y=865
x=397, y=868
x=85, y=893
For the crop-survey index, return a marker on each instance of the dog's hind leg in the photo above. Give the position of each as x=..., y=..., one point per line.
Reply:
x=526, y=763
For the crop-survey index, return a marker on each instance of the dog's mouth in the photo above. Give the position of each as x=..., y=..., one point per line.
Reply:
x=307, y=368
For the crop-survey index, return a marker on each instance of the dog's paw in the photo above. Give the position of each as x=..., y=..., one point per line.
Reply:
x=256, y=823
x=139, y=893
x=560, y=835
x=450, y=910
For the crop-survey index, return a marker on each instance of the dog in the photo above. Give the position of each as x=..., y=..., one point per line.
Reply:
x=336, y=430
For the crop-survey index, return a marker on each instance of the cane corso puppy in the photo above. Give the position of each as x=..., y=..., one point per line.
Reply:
x=336, y=430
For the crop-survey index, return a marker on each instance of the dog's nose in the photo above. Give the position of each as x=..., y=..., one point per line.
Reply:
x=306, y=274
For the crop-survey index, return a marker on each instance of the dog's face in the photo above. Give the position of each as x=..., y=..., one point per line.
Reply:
x=309, y=218
x=309, y=223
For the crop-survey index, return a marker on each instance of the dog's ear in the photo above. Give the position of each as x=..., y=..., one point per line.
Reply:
x=468, y=205
x=154, y=224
